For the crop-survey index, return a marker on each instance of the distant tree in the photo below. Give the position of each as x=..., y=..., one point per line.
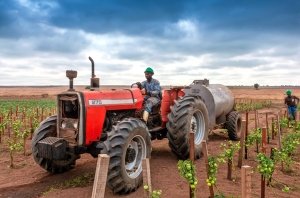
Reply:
x=256, y=85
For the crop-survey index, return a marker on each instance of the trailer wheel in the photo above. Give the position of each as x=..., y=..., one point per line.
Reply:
x=188, y=114
x=127, y=145
x=47, y=128
x=233, y=125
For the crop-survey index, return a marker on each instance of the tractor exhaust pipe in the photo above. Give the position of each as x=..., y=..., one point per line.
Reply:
x=95, y=84
x=93, y=67
x=71, y=75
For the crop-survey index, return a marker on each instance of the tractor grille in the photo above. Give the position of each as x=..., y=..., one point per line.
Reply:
x=69, y=114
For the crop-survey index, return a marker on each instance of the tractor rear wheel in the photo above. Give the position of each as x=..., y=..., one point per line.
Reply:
x=127, y=145
x=48, y=129
x=233, y=125
x=189, y=114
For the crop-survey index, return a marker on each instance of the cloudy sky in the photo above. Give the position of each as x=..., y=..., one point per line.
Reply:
x=239, y=42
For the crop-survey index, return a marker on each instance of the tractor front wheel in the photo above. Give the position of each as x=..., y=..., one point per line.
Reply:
x=128, y=144
x=48, y=129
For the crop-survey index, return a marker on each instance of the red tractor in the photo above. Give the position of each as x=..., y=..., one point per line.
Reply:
x=95, y=121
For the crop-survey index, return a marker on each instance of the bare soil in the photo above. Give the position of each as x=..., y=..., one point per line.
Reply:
x=27, y=179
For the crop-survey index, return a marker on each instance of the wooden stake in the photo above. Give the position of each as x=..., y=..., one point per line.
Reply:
x=272, y=151
x=205, y=155
x=279, y=137
x=242, y=144
x=100, y=176
x=263, y=187
x=17, y=110
x=246, y=181
x=255, y=119
x=147, y=177
x=192, y=146
x=192, y=156
x=267, y=126
x=273, y=127
x=246, y=135
x=229, y=169
x=264, y=139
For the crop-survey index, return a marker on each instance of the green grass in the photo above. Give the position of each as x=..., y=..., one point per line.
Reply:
x=79, y=181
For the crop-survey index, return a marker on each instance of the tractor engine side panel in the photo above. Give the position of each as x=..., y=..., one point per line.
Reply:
x=98, y=103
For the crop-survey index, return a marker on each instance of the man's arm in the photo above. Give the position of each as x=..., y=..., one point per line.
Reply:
x=285, y=100
x=296, y=99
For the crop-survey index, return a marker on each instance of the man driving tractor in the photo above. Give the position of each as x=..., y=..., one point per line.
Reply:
x=291, y=101
x=152, y=91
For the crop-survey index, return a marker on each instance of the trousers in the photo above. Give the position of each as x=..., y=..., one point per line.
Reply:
x=150, y=102
x=292, y=111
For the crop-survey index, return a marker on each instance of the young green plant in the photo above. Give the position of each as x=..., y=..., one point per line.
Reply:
x=187, y=170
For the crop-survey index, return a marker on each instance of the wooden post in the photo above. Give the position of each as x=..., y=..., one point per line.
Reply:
x=256, y=127
x=273, y=127
x=255, y=119
x=100, y=176
x=17, y=110
x=263, y=187
x=192, y=146
x=288, y=117
x=242, y=144
x=229, y=169
x=272, y=151
x=279, y=136
x=264, y=139
x=246, y=181
x=267, y=126
x=205, y=155
x=192, y=156
x=147, y=177
x=31, y=127
x=1, y=132
x=246, y=134
x=263, y=145
x=279, y=131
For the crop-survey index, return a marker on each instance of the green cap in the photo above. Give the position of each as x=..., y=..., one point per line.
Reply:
x=288, y=92
x=149, y=70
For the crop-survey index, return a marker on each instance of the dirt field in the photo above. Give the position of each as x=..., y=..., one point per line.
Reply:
x=29, y=180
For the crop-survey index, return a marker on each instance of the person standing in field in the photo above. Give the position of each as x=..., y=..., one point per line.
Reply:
x=152, y=91
x=291, y=101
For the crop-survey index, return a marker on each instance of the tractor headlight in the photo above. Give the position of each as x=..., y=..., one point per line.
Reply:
x=70, y=124
x=63, y=124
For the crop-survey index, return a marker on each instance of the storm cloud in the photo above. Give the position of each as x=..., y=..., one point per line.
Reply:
x=229, y=42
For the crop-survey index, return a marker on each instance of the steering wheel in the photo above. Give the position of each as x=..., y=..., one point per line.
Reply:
x=136, y=85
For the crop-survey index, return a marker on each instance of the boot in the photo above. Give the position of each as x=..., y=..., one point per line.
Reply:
x=145, y=116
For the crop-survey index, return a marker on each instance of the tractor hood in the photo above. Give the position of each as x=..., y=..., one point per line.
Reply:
x=114, y=99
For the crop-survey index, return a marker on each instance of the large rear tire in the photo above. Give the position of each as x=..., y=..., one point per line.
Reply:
x=188, y=114
x=47, y=128
x=233, y=125
x=127, y=145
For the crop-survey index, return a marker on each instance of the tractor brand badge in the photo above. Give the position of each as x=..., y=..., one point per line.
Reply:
x=95, y=102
